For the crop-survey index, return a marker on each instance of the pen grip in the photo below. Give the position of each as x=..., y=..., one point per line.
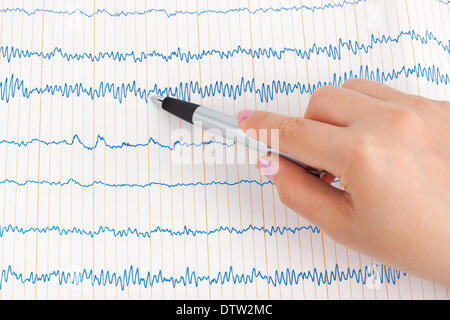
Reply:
x=182, y=109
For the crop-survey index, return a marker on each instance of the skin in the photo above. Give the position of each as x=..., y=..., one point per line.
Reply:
x=391, y=152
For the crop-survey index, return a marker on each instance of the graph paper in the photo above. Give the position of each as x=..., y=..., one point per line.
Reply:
x=92, y=205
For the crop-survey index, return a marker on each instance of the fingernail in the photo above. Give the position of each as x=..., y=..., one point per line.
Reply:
x=265, y=166
x=244, y=115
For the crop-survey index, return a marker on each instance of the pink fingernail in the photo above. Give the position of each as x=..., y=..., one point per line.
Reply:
x=244, y=115
x=265, y=166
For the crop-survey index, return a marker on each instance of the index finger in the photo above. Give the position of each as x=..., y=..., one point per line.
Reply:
x=312, y=142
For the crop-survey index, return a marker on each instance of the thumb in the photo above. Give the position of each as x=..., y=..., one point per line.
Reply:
x=313, y=198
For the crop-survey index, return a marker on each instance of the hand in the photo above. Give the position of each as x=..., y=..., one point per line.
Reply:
x=391, y=152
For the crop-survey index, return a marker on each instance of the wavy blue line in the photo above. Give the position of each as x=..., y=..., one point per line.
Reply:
x=180, y=12
x=133, y=276
x=100, y=139
x=120, y=233
x=11, y=86
x=331, y=51
x=133, y=185
x=185, y=12
x=266, y=92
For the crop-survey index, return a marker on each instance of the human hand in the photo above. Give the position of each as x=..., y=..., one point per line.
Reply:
x=391, y=152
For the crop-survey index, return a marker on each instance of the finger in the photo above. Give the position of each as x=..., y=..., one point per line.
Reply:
x=374, y=89
x=320, y=203
x=314, y=143
x=340, y=106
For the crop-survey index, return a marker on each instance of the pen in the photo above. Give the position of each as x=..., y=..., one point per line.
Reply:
x=223, y=124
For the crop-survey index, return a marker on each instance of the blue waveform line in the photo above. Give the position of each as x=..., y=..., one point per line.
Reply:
x=134, y=276
x=132, y=185
x=186, y=12
x=101, y=140
x=180, y=12
x=332, y=51
x=266, y=91
x=127, y=232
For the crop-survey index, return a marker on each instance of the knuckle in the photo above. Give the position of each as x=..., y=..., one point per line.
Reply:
x=320, y=94
x=403, y=118
x=363, y=149
x=322, y=97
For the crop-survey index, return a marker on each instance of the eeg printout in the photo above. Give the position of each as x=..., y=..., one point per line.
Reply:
x=92, y=204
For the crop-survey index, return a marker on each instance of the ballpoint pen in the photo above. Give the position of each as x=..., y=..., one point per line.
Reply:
x=223, y=124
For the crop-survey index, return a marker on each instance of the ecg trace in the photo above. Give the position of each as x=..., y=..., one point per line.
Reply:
x=92, y=205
